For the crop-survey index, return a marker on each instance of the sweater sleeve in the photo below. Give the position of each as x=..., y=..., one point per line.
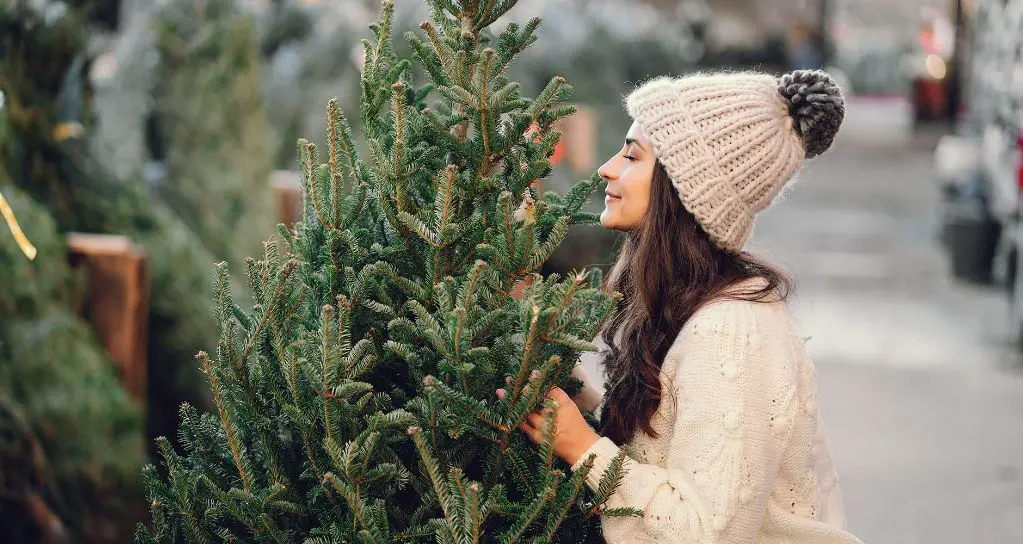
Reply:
x=733, y=384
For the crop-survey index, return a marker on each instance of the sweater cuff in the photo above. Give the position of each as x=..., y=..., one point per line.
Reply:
x=604, y=451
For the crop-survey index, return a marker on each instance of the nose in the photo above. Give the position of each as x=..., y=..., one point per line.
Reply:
x=605, y=171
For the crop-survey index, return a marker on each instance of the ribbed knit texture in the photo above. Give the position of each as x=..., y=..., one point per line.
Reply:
x=741, y=455
x=730, y=142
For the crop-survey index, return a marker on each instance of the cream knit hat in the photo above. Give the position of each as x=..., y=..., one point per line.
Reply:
x=731, y=141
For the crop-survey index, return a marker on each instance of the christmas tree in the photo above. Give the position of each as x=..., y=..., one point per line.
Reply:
x=71, y=441
x=209, y=110
x=46, y=152
x=355, y=402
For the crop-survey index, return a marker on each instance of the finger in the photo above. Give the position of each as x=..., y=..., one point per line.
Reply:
x=501, y=393
x=558, y=395
x=530, y=432
x=535, y=420
x=507, y=380
x=547, y=405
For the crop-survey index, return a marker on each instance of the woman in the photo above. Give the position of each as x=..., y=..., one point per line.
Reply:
x=711, y=394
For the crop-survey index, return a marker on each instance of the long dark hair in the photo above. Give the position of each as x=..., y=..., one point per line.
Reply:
x=667, y=269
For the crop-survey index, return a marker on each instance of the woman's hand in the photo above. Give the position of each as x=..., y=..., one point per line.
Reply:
x=572, y=435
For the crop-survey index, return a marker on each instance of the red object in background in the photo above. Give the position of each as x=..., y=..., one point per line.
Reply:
x=1019, y=165
x=926, y=41
x=559, y=148
x=930, y=98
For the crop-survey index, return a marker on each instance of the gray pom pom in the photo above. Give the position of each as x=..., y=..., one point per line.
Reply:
x=816, y=104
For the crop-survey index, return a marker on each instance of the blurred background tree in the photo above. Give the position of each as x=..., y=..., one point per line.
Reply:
x=47, y=155
x=179, y=99
x=48, y=53
x=71, y=440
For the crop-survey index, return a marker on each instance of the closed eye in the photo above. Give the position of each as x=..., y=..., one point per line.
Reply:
x=628, y=152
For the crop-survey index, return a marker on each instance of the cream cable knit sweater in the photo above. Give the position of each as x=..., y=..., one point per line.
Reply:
x=742, y=456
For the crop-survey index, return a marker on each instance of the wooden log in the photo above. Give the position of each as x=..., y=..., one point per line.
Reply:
x=117, y=301
x=287, y=189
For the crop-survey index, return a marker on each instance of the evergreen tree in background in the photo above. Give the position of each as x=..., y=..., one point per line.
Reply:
x=355, y=402
x=209, y=111
x=176, y=98
x=71, y=441
x=47, y=153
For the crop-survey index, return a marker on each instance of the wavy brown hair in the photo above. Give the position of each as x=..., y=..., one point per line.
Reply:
x=667, y=268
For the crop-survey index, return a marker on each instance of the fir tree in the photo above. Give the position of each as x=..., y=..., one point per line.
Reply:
x=71, y=441
x=45, y=151
x=208, y=110
x=355, y=402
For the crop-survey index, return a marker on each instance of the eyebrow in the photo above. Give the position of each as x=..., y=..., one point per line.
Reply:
x=631, y=141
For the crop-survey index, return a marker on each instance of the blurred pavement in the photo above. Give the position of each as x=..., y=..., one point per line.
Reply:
x=922, y=396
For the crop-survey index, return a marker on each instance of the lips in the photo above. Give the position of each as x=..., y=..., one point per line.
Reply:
x=612, y=195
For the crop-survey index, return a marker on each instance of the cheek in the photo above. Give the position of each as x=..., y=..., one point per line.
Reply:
x=634, y=212
x=636, y=197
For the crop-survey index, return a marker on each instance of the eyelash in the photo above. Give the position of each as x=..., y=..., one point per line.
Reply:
x=630, y=157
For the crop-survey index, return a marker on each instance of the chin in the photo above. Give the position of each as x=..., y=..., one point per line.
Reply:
x=610, y=222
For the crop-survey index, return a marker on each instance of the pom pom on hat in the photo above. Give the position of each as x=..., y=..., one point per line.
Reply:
x=816, y=105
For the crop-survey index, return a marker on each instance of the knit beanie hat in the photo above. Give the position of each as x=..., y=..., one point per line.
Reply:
x=731, y=141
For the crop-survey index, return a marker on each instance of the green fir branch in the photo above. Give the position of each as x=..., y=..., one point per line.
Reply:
x=527, y=517
x=226, y=420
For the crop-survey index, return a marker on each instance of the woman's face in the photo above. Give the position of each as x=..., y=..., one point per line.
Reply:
x=628, y=175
